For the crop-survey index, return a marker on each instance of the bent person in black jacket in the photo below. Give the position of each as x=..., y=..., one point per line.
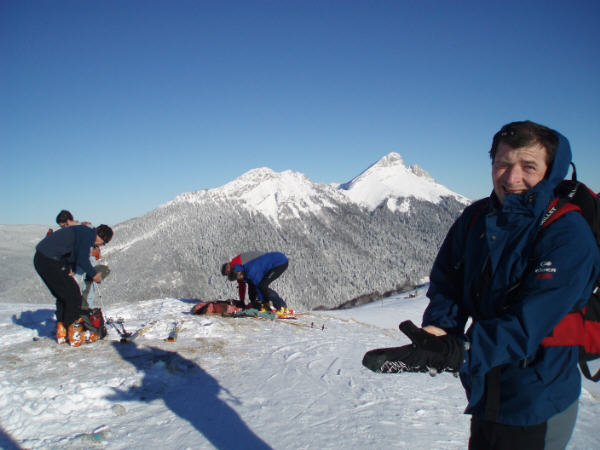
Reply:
x=55, y=259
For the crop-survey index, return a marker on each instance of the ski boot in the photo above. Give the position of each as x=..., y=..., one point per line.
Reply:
x=90, y=336
x=61, y=333
x=283, y=312
x=76, y=333
x=265, y=307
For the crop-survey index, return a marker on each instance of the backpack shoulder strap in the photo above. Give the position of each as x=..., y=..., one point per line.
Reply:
x=570, y=196
x=583, y=366
x=558, y=208
x=478, y=207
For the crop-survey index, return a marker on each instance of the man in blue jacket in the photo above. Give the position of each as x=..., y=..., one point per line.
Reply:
x=55, y=260
x=516, y=285
x=241, y=259
x=259, y=273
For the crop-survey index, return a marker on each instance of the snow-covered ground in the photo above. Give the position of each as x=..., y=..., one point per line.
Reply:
x=230, y=384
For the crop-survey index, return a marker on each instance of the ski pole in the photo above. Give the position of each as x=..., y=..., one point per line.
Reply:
x=97, y=288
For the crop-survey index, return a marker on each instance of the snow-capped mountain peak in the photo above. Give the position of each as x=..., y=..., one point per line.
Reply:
x=288, y=194
x=276, y=195
x=420, y=172
x=389, y=178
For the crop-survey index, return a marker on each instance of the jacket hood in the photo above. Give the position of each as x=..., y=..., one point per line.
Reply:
x=560, y=166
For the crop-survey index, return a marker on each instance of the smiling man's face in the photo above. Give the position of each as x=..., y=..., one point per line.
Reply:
x=516, y=170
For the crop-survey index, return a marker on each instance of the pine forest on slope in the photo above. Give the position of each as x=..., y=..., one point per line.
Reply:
x=376, y=233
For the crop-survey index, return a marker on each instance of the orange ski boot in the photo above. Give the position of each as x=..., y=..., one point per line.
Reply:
x=61, y=333
x=90, y=336
x=76, y=333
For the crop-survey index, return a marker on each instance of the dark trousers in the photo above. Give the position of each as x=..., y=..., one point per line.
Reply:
x=251, y=293
x=497, y=436
x=551, y=435
x=62, y=286
x=269, y=294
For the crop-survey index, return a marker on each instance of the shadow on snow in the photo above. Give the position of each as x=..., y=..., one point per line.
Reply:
x=188, y=391
x=41, y=320
x=7, y=442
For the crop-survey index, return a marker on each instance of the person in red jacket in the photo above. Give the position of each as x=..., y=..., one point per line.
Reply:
x=240, y=260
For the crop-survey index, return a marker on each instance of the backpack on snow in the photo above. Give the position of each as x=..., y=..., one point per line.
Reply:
x=93, y=320
x=217, y=307
x=580, y=327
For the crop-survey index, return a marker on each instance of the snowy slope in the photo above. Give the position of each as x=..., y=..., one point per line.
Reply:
x=230, y=383
x=389, y=179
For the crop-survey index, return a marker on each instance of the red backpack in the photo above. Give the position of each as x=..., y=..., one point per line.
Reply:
x=217, y=307
x=580, y=327
x=93, y=320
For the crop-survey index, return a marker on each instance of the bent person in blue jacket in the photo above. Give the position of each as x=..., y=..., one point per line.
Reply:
x=259, y=273
x=516, y=283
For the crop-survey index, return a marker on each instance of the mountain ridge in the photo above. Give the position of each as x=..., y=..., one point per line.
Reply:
x=266, y=190
x=338, y=247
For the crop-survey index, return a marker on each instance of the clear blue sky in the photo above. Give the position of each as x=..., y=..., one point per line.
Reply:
x=111, y=108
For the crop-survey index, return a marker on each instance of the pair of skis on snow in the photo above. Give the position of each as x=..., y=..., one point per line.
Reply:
x=126, y=336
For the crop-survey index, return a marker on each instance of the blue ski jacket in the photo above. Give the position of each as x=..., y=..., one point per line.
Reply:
x=70, y=245
x=490, y=249
x=256, y=269
x=241, y=259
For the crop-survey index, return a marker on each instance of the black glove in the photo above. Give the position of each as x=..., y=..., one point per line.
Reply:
x=427, y=353
x=390, y=360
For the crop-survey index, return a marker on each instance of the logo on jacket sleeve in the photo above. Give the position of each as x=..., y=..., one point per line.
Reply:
x=545, y=270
